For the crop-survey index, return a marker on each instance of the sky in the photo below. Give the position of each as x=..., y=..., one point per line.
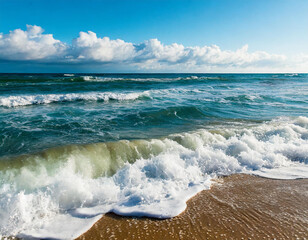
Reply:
x=153, y=36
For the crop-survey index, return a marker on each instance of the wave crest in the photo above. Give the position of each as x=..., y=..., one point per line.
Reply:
x=24, y=100
x=155, y=177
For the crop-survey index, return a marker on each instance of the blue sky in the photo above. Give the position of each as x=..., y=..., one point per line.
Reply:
x=277, y=28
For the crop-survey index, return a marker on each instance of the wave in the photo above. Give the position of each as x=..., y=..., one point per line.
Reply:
x=24, y=100
x=138, y=78
x=144, y=79
x=100, y=79
x=201, y=95
x=244, y=98
x=61, y=192
x=292, y=75
x=185, y=78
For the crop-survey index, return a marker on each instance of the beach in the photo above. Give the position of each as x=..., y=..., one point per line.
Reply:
x=76, y=148
x=236, y=207
x=157, y=119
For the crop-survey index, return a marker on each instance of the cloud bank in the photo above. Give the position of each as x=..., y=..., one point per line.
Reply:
x=32, y=45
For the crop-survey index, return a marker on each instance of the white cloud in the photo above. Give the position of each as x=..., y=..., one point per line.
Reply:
x=153, y=50
x=91, y=48
x=31, y=44
x=87, y=48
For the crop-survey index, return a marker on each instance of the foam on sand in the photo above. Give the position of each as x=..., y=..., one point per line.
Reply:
x=41, y=195
x=236, y=207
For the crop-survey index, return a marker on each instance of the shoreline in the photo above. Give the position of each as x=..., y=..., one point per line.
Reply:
x=237, y=206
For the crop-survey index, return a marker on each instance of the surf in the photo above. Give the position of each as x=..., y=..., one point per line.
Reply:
x=25, y=100
x=61, y=192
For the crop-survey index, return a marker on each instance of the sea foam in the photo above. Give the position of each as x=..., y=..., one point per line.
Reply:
x=24, y=100
x=61, y=192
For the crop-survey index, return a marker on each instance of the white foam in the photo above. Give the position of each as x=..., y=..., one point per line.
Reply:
x=296, y=171
x=100, y=79
x=157, y=79
x=24, y=100
x=55, y=196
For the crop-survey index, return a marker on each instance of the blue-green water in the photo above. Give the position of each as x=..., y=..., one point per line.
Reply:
x=73, y=147
x=40, y=111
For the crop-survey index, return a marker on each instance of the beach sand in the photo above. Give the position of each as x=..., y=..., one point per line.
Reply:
x=236, y=207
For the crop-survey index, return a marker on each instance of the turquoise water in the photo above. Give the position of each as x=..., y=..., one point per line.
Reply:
x=74, y=147
x=42, y=111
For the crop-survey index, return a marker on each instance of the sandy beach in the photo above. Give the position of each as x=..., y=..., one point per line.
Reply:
x=236, y=207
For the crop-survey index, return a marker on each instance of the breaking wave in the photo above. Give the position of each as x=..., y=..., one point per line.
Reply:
x=61, y=192
x=144, y=79
x=24, y=100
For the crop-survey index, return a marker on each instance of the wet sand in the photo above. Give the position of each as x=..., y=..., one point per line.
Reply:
x=236, y=207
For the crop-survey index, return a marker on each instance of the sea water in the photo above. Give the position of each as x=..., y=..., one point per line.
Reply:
x=75, y=146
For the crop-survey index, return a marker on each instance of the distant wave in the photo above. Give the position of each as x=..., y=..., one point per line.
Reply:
x=141, y=79
x=24, y=100
x=93, y=78
x=69, y=77
x=100, y=79
x=96, y=78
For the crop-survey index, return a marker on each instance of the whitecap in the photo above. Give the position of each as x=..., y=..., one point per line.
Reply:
x=48, y=192
x=24, y=100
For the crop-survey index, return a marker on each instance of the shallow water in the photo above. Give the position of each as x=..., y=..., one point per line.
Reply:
x=237, y=207
x=73, y=147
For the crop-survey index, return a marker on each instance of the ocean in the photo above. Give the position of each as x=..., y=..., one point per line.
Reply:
x=76, y=146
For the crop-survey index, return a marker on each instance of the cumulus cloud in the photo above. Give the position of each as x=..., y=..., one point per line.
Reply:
x=206, y=55
x=87, y=48
x=31, y=44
